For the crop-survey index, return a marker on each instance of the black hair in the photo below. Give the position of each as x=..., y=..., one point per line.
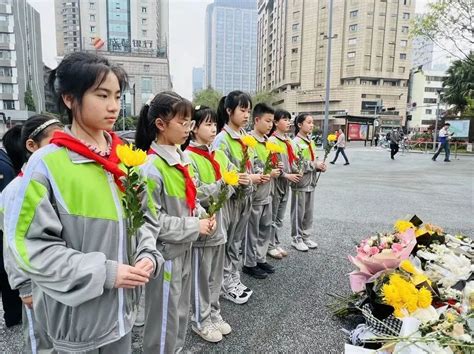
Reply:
x=260, y=109
x=300, y=119
x=29, y=128
x=77, y=73
x=233, y=100
x=165, y=105
x=201, y=114
x=13, y=147
x=447, y=124
x=279, y=114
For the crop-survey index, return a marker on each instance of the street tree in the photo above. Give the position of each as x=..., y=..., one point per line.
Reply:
x=208, y=97
x=459, y=84
x=449, y=24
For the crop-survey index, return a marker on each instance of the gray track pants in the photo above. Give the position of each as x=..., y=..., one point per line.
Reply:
x=302, y=209
x=258, y=235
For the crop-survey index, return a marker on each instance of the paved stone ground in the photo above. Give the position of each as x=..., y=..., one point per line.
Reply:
x=288, y=310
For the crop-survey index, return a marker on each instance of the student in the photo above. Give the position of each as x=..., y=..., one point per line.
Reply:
x=260, y=221
x=281, y=185
x=163, y=125
x=208, y=254
x=35, y=133
x=302, y=193
x=73, y=247
x=9, y=168
x=232, y=116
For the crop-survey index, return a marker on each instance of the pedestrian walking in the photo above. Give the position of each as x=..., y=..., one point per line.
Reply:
x=394, y=141
x=444, y=137
x=341, y=145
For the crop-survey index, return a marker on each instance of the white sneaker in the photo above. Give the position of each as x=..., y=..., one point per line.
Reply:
x=299, y=245
x=275, y=253
x=310, y=244
x=282, y=251
x=222, y=326
x=208, y=332
x=235, y=295
x=245, y=289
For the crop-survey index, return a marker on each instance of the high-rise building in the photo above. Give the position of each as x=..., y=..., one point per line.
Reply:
x=21, y=66
x=130, y=33
x=422, y=53
x=426, y=88
x=370, y=63
x=231, y=45
x=198, y=79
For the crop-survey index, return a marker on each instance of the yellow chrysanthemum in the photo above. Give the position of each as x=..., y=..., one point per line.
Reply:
x=273, y=148
x=130, y=156
x=332, y=137
x=403, y=225
x=249, y=141
x=407, y=266
x=231, y=178
x=424, y=298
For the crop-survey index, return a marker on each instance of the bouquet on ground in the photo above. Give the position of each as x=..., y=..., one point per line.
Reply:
x=134, y=186
x=272, y=159
x=229, y=178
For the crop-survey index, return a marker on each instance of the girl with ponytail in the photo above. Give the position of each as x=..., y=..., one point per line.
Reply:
x=163, y=125
x=232, y=116
x=66, y=227
x=302, y=191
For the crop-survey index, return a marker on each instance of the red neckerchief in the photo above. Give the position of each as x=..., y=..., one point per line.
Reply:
x=110, y=164
x=310, y=148
x=210, y=157
x=191, y=191
x=289, y=148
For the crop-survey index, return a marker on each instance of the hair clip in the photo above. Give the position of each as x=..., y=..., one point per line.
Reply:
x=197, y=108
x=42, y=127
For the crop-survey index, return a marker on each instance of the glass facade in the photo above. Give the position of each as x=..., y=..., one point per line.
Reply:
x=118, y=23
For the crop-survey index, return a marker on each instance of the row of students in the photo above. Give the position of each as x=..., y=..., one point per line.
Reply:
x=66, y=230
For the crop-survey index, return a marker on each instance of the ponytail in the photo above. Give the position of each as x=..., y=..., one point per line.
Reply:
x=146, y=132
x=165, y=106
x=14, y=147
x=222, y=115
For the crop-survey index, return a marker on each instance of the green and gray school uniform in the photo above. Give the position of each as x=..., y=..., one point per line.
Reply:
x=260, y=220
x=167, y=297
x=281, y=187
x=239, y=208
x=302, y=193
x=208, y=254
x=66, y=230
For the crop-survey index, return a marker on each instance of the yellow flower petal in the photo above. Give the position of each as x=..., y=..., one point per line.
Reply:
x=249, y=141
x=130, y=156
x=403, y=225
x=231, y=178
x=332, y=137
x=273, y=148
x=424, y=298
x=407, y=266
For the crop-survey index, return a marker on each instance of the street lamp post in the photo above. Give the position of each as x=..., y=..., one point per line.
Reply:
x=435, y=135
x=328, y=77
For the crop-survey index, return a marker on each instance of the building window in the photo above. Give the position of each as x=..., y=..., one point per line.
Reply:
x=403, y=43
x=7, y=88
x=93, y=29
x=429, y=100
x=146, y=68
x=353, y=28
x=143, y=10
x=146, y=85
x=6, y=71
x=401, y=69
x=294, y=51
x=406, y=2
x=296, y=15
x=117, y=6
x=428, y=111
x=7, y=104
x=143, y=21
x=295, y=39
x=352, y=41
x=403, y=56
x=351, y=54
x=405, y=29
x=92, y=18
x=434, y=78
x=5, y=54
x=144, y=33
x=353, y=14
x=296, y=26
x=406, y=16
x=91, y=5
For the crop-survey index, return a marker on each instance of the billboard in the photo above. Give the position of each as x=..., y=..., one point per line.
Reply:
x=460, y=128
x=357, y=131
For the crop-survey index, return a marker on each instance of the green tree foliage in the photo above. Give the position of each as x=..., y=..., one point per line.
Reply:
x=29, y=101
x=267, y=97
x=208, y=97
x=459, y=84
x=130, y=123
x=449, y=24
